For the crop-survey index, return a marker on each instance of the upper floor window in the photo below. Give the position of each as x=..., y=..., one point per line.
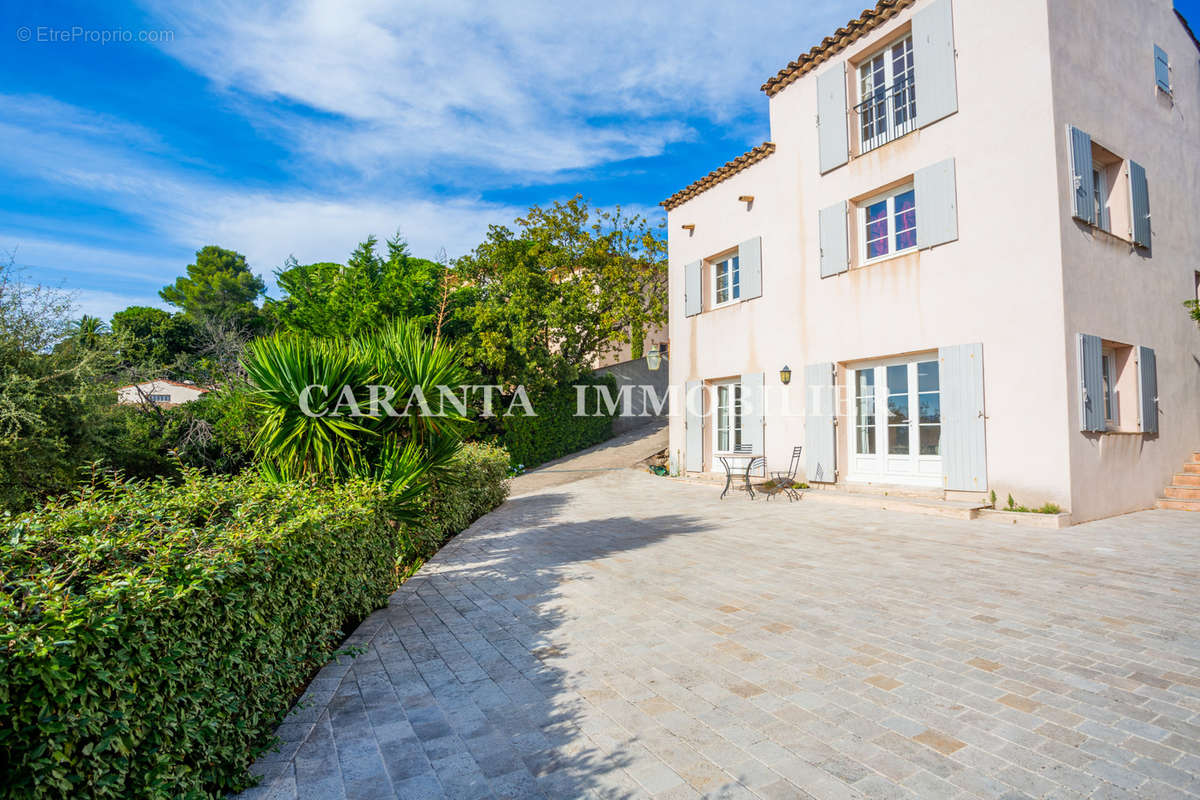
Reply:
x=888, y=224
x=727, y=280
x=160, y=398
x=888, y=102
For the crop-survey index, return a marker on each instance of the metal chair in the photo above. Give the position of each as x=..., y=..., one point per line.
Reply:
x=786, y=480
x=740, y=451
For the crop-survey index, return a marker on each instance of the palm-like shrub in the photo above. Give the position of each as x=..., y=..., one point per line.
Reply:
x=338, y=438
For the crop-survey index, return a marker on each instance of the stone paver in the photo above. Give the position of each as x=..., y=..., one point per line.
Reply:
x=631, y=636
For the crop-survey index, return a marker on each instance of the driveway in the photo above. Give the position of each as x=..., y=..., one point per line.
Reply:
x=632, y=636
x=618, y=453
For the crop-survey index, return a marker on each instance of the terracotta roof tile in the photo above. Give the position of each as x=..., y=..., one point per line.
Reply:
x=719, y=174
x=830, y=46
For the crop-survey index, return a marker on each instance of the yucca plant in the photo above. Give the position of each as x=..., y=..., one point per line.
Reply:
x=395, y=443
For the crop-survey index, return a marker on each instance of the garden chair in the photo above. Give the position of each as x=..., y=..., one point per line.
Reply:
x=740, y=451
x=786, y=481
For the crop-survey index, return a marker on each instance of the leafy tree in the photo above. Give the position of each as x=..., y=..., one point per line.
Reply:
x=49, y=395
x=220, y=286
x=562, y=290
x=369, y=291
x=153, y=337
x=87, y=331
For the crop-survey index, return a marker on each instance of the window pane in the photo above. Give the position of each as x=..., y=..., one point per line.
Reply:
x=736, y=421
x=930, y=407
x=866, y=411
x=906, y=219
x=927, y=376
x=722, y=418
x=877, y=229
x=864, y=388
x=865, y=381
x=897, y=379
x=866, y=441
x=897, y=409
x=898, y=440
x=931, y=439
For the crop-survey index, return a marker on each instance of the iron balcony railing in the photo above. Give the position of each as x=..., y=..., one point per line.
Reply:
x=888, y=113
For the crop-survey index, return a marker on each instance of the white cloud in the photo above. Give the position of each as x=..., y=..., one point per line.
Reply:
x=520, y=87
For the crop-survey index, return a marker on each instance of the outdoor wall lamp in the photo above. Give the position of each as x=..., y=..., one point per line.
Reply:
x=654, y=359
x=785, y=375
x=689, y=228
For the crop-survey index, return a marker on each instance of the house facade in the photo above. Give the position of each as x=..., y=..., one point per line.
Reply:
x=161, y=392
x=949, y=242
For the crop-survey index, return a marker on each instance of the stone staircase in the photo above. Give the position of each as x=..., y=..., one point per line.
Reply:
x=1184, y=492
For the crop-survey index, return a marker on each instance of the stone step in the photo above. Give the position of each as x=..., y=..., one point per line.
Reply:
x=1192, y=469
x=1186, y=479
x=1196, y=457
x=1183, y=492
x=1178, y=505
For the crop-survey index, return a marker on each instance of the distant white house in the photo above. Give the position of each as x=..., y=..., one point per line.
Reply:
x=160, y=392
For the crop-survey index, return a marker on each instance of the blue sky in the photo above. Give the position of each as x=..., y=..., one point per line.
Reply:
x=297, y=128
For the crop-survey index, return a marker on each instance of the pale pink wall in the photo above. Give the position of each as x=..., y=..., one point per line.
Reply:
x=1110, y=289
x=998, y=284
x=1023, y=277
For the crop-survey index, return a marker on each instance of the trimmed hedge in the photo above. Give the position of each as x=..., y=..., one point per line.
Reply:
x=477, y=483
x=155, y=634
x=556, y=431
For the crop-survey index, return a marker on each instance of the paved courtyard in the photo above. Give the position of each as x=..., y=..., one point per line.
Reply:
x=632, y=636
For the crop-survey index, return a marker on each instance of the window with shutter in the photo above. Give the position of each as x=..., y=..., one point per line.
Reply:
x=1162, y=70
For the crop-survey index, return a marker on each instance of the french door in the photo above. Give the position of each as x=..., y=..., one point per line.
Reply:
x=897, y=422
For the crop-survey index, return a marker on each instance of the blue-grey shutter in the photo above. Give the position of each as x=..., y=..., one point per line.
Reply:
x=753, y=400
x=1091, y=384
x=1148, y=389
x=820, y=440
x=963, y=448
x=1139, y=202
x=1162, y=69
x=693, y=417
x=1083, y=203
x=693, y=290
x=750, y=264
x=835, y=248
x=933, y=62
x=937, y=204
x=833, y=137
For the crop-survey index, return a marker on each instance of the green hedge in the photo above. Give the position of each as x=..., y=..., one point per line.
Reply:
x=556, y=431
x=477, y=483
x=155, y=634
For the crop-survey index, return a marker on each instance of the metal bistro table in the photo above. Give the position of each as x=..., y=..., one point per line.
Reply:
x=752, y=462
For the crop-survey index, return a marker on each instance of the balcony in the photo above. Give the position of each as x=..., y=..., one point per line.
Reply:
x=886, y=114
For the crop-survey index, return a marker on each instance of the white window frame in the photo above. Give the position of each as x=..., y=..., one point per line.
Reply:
x=733, y=267
x=912, y=468
x=866, y=87
x=1108, y=382
x=727, y=398
x=1100, y=196
x=889, y=197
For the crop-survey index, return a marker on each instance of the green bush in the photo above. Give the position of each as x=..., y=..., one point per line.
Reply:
x=556, y=431
x=154, y=634
x=213, y=433
x=477, y=482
